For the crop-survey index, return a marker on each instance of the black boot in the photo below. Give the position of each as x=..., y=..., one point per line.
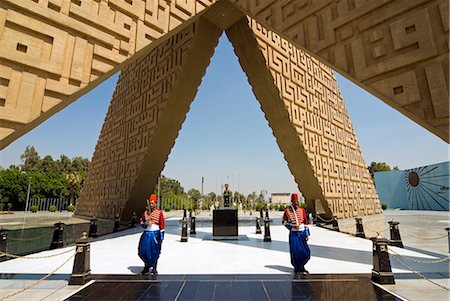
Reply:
x=303, y=271
x=145, y=270
x=154, y=271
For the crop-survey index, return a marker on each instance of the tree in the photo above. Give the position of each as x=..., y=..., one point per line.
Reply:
x=47, y=164
x=251, y=197
x=195, y=195
x=30, y=159
x=238, y=197
x=74, y=184
x=378, y=166
x=212, y=196
x=63, y=165
x=79, y=165
x=13, y=188
x=169, y=186
x=49, y=179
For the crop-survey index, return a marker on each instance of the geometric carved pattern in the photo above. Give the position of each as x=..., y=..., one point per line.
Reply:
x=135, y=140
x=397, y=50
x=317, y=111
x=138, y=101
x=309, y=93
x=148, y=107
x=53, y=51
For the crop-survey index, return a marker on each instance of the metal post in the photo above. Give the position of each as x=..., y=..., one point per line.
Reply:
x=58, y=236
x=359, y=228
x=267, y=237
x=3, y=240
x=335, y=224
x=192, y=231
x=133, y=220
x=258, y=226
x=396, y=240
x=116, y=223
x=184, y=235
x=381, y=272
x=81, y=272
x=93, y=228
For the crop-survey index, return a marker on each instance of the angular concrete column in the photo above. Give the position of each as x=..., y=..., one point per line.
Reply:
x=149, y=105
x=304, y=107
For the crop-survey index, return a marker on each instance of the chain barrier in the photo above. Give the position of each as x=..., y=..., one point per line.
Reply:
x=376, y=231
x=418, y=273
x=248, y=224
x=36, y=257
x=421, y=261
x=39, y=280
x=341, y=226
x=424, y=238
x=325, y=220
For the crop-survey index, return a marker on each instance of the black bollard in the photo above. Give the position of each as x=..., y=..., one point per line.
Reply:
x=267, y=237
x=133, y=220
x=81, y=272
x=335, y=224
x=448, y=234
x=258, y=226
x=93, y=228
x=3, y=239
x=116, y=223
x=184, y=235
x=381, y=272
x=261, y=215
x=396, y=240
x=192, y=231
x=359, y=228
x=58, y=236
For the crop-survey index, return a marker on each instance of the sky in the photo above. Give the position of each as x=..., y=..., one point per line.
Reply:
x=226, y=138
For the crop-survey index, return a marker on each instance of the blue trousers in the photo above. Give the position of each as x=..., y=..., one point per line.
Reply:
x=150, y=247
x=299, y=249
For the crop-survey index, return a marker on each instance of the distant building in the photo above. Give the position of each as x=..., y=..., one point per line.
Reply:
x=421, y=188
x=280, y=198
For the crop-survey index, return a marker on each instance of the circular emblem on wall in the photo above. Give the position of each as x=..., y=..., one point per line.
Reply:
x=427, y=188
x=413, y=179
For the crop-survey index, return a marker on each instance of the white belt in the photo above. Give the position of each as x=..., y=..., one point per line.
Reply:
x=152, y=227
x=301, y=227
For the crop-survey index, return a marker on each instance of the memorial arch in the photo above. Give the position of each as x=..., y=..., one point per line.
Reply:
x=53, y=51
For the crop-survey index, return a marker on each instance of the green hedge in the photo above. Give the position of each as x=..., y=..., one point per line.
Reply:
x=34, y=208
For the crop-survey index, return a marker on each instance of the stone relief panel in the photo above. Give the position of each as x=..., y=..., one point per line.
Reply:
x=316, y=110
x=53, y=51
x=397, y=50
x=150, y=102
x=139, y=99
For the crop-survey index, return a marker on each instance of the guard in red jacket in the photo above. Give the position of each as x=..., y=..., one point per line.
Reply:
x=295, y=220
x=151, y=240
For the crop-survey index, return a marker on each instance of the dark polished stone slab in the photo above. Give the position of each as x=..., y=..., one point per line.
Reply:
x=234, y=287
x=211, y=237
x=225, y=222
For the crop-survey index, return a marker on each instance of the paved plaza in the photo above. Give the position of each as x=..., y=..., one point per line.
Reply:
x=334, y=255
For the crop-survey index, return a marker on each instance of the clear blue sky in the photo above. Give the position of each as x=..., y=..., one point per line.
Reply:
x=226, y=138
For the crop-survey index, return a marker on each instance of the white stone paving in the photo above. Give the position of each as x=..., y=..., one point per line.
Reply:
x=332, y=252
